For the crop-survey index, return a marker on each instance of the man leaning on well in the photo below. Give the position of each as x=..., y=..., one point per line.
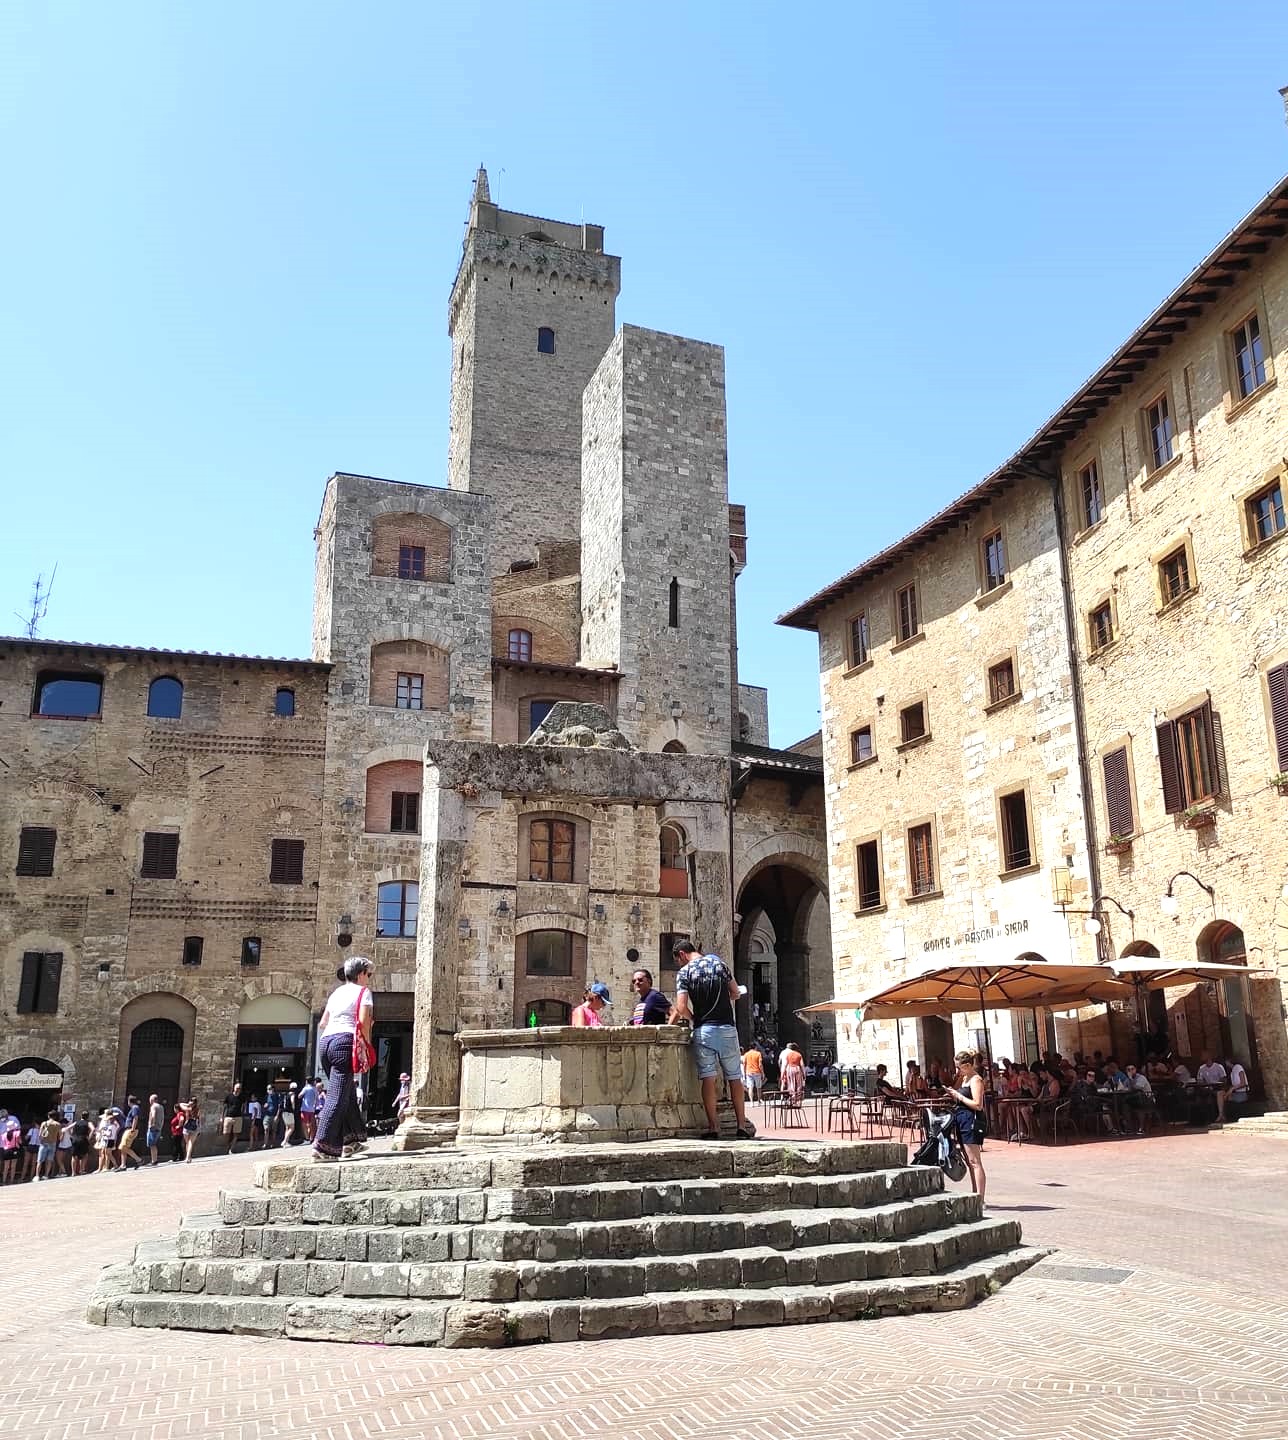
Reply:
x=705, y=993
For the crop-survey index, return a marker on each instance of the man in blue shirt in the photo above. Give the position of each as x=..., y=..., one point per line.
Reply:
x=651, y=1006
x=705, y=993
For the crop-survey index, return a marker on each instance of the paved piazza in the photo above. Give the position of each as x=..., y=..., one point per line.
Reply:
x=1192, y=1341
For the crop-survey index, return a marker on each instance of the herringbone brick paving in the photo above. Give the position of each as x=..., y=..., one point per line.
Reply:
x=1193, y=1342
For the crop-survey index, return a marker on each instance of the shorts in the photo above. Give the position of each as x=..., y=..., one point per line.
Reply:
x=80, y=1148
x=231, y=1125
x=128, y=1139
x=971, y=1125
x=716, y=1048
x=154, y=1139
x=44, y=1154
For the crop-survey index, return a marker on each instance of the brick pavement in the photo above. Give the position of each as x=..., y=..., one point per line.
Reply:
x=1194, y=1340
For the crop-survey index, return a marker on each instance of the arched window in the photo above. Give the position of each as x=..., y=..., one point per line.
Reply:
x=397, y=904
x=520, y=645
x=165, y=698
x=552, y=848
x=673, y=871
x=547, y=1012
x=546, y=340
x=673, y=605
x=674, y=747
x=284, y=703
x=68, y=694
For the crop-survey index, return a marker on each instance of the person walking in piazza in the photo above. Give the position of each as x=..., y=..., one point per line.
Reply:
x=290, y=1111
x=272, y=1116
x=753, y=1072
x=341, y=1129
x=176, y=1132
x=125, y=1149
x=51, y=1130
x=310, y=1105
x=254, y=1123
x=82, y=1141
x=403, y=1097
x=156, y=1125
x=705, y=993
x=191, y=1129
x=231, y=1121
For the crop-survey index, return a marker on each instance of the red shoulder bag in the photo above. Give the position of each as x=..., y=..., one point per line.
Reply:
x=364, y=1055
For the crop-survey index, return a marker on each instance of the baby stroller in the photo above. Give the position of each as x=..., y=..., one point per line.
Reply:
x=942, y=1145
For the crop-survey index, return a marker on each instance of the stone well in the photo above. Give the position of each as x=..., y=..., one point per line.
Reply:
x=608, y=1084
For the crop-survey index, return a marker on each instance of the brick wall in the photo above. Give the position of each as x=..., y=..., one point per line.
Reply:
x=382, y=781
x=389, y=533
x=395, y=657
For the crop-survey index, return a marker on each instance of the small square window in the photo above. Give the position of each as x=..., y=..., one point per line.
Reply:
x=861, y=745
x=1093, y=501
x=411, y=562
x=859, y=639
x=193, y=945
x=1249, y=356
x=1174, y=576
x=908, y=620
x=993, y=556
x=1001, y=681
x=1100, y=626
x=868, y=861
x=251, y=950
x=1266, y=513
x=912, y=722
x=519, y=645
x=1160, y=432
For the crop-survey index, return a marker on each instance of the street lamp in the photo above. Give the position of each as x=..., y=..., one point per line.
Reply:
x=1171, y=906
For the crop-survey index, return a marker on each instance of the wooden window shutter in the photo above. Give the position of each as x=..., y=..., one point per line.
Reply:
x=1277, y=680
x=31, y=965
x=1118, y=806
x=36, y=850
x=1216, y=749
x=287, y=864
x=1169, y=767
x=51, y=980
x=160, y=855
x=579, y=957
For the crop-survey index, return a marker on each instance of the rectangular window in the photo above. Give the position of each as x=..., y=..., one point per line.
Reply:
x=411, y=691
x=1017, y=848
x=912, y=722
x=1159, y=432
x=859, y=639
x=160, y=855
x=1277, y=683
x=1174, y=576
x=868, y=859
x=411, y=562
x=908, y=621
x=551, y=851
x=993, y=558
x=287, y=865
x=861, y=745
x=1249, y=356
x=1100, y=626
x=404, y=812
x=1191, y=758
x=42, y=974
x=193, y=945
x=549, y=952
x=251, y=950
x=1093, y=504
x=921, y=859
x=1001, y=681
x=1266, y=513
x=36, y=850
x=1118, y=802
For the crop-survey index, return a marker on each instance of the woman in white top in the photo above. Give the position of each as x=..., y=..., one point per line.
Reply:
x=341, y=1128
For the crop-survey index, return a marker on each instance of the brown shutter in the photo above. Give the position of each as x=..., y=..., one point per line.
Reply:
x=1277, y=680
x=50, y=981
x=160, y=855
x=36, y=850
x=287, y=864
x=1169, y=766
x=29, y=982
x=1215, y=741
x=1118, y=806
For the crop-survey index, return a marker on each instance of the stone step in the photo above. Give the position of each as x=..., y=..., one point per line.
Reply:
x=748, y=1267
x=552, y=1205
x=656, y=1162
x=205, y=1236
x=462, y=1323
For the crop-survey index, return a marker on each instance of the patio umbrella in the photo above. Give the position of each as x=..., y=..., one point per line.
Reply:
x=1153, y=972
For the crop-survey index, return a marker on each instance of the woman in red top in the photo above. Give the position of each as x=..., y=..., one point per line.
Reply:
x=597, y=999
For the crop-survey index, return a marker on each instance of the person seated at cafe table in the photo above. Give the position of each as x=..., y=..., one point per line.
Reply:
x=883, y=1086
x=1157, y=1068
x=1213, y=1074
x=914, y=1084
x=1237, y=1095
x=1140, y=1096
x=1114, y=1076
x=1181, y=1073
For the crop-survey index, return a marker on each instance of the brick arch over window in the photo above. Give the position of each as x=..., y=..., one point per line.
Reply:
x=549, y=646
x=156, y=1005
x=392, y=658
x=385, y=813
x=411, y=547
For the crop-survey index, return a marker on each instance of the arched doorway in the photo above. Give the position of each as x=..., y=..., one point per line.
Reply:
x=1222, y=943
x=272, y=1043
x=29, y=1086
x=156, y=1061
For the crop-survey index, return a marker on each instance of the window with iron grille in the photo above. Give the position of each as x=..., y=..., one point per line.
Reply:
x=1277, y=684
x=1266, y=513
x=908, y=621
x=411, y=562
x=551, y=850
x=410, y=694
x=993, y=555
x=42, y=973
x=1159, y=431
x=1100, y=626
x=1119, y=809
x=193, y=945
x=912, y=722
x=1174, y=576
x=1017, y=847
x=397, y=907
x=1001, y=681
x=1249, y=356
x=1093, y=504
x=36, y=845
x=252, y=950
x=921, y=859
x=861, y=745
x=404, y=812
x=519, y=645
x=287, y=864
x=160, y=855
x=868, y=859
x=1191, y=758
x=859, y=639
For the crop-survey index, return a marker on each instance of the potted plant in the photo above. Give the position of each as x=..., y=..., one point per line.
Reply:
x=1280, y=782
x=1118, y=844
x=1198, y=817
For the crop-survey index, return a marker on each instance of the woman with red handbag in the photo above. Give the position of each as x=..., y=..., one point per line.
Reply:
x=345, y=1049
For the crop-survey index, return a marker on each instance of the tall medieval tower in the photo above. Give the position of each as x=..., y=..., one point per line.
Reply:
x=531, y=315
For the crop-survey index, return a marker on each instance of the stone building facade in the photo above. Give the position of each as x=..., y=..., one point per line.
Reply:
x=582, y=551
x=1140, y=543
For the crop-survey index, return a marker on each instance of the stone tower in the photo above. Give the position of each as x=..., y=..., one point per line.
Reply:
x=531, y=315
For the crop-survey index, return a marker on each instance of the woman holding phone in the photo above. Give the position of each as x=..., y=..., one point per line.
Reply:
x=968, y=1115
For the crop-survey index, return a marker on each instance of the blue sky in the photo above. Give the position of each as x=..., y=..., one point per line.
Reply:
x=231, y=231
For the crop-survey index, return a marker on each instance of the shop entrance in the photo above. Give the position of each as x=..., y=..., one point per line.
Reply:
x=156, y=1057
x=30, y=1086
x=272, y=1044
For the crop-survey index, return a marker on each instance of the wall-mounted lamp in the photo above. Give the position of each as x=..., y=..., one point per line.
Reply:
x=104, y=969
x=636, y=912
x=1171, y=906
x=676, y=709
x=502, y=906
